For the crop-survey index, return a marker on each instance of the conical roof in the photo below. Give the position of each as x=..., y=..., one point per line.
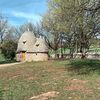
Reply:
x=40, y=45
x=26, y=42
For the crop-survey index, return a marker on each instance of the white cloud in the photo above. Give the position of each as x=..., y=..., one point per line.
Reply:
x=28, y=16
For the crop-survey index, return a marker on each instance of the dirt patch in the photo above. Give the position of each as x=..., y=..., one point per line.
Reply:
x=78, y=85
x=79, y=88
x=16, y=76
x=45, y=96
x=44, y=84
x=30, y=78
x=10, y=64
x=79, y=81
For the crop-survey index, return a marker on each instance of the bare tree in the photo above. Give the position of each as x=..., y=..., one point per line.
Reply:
x=28, y=26
x=3, y=27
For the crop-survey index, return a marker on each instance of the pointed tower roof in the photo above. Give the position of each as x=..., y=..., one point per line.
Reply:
x=26, y=42
x=40, y=45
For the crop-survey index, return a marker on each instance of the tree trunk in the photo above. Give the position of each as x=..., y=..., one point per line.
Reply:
x=71, y=52
x=56, y=55
x=82, y=51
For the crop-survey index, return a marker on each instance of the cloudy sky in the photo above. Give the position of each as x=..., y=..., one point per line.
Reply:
x=21, y=11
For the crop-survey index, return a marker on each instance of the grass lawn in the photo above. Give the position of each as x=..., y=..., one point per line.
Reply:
x=94, y=49
x=72, y=80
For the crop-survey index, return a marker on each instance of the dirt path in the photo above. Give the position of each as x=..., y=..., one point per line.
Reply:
x=10, y=64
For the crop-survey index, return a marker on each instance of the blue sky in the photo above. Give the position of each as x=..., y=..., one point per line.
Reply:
x=21, y=11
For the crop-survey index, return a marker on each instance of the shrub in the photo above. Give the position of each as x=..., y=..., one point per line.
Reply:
x=9, y=49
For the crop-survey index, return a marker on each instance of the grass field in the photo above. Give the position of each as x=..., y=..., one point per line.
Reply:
x=72, y=80
x=94, y=49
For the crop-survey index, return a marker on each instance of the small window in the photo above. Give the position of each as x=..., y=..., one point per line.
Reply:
x=37, y=45
x=24, y=42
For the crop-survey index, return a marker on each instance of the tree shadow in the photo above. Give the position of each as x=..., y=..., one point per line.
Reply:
x=7, y=61
x=1, y=94
x=84, y=66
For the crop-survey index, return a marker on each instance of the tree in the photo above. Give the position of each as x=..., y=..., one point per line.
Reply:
x=79, y=19
x=3, y=27
x=9, y=49
x=28, y=26
x=6, y=30
x=50, y=25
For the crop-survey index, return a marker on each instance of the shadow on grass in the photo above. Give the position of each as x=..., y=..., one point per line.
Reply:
x=85, y=66
x=1, y=94
x=7, y=61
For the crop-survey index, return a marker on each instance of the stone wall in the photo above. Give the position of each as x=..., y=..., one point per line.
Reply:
x=93, y=56
x=17, y=57
x=32, y=57
x=36, y=57
x=29, y=57
x=21, y=56
x=40, y=57
x=88, y=55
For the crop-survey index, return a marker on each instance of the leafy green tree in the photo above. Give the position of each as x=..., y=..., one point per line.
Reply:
x=49, y=23
x=78, y=19
x=9, y=49
x=6, y=30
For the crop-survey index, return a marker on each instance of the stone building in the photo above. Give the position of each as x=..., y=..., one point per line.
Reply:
x=31, y=48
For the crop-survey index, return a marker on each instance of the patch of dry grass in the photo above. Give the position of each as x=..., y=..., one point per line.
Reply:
x=24, y=81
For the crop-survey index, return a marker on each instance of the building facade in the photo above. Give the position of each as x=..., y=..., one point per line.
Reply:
x=31, y=48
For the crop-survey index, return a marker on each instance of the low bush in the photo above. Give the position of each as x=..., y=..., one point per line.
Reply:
x=9, y=49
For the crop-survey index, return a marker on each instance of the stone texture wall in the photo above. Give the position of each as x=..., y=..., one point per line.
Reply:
x=95, y=56
x=29, y=57
x=32, y=57
x=17, y=57
x=40, y=57
x=88, y=55
x=21, y=56
x=36, y=57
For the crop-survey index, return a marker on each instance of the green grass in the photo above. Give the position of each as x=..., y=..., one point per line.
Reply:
x=2, y=57
x=85, y=66
x=94, y=49
x=74, y=80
